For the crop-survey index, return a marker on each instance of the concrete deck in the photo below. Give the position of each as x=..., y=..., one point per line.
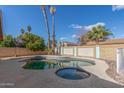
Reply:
x=12, y=75
x=99, y=69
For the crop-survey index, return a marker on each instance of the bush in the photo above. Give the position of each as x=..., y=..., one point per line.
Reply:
x=26, y=40
x=8, y=41
x=33, y=42
x=35, y=46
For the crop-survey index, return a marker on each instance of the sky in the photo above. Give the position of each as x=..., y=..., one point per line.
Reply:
x=70, y=21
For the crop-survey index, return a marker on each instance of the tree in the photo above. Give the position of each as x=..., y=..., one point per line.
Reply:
x=29, y=28
x=82, y=39
x=33, y=42
x=8, y=41
x=98, y=33
x=37, y=45
x=22, y=31
x=53, y=11
x=19, y=42
x=30, y=40
x=46, y=23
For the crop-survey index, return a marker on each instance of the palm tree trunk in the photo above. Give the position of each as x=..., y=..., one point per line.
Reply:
x=47, y=24
x=97, y=41
x=53, y=33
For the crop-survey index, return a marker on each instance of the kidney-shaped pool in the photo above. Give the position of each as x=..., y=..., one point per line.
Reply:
x=47, y=63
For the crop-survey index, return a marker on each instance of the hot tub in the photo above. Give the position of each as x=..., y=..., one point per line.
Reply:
x=72, y=73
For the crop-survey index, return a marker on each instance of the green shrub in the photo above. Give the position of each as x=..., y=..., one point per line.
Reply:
x=33, y=42
x=8, y=41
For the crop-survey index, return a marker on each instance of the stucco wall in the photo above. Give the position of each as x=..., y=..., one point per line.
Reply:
x=88, y=51
x=9, y=52
x=109, y=52
x=68, y=51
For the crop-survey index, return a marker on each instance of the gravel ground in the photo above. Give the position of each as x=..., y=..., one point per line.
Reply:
x=13, y=76
x=111, y=71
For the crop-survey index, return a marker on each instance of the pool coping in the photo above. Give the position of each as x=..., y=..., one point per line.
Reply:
x=99, y=69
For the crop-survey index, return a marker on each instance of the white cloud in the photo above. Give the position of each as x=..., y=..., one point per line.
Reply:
x=75, y=36
x=75, y=26
x=63, y=38
x=89, y=27
x=85, y=28
x=117, y=7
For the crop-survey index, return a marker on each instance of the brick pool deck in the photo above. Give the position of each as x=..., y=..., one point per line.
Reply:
x=13, y=76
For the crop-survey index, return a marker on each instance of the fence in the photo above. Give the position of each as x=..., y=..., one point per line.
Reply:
x=108, y=52
x=9, y=52
x=88, y=51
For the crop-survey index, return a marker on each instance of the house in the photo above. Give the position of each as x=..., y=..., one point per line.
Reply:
x=108, y=42
x=104, y=50
x=1, y=33
x=65, y=43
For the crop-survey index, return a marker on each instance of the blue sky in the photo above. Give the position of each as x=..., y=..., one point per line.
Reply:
x=70, y=20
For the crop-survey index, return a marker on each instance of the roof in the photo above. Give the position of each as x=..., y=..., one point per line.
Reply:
x=109, y=41
x=70, y=44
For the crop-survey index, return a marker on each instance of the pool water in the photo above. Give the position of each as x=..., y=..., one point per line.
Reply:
x=78, y=63
x=72, y=73
x=55, y=63
x=41, y=65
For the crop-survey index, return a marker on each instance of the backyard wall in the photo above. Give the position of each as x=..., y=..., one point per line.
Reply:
x=9, y=52
x=68, y=51
x=88, y=51
x=108, y=52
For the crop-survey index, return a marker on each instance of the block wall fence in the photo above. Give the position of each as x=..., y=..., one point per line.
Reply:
x=107, y=52
x=10, y=52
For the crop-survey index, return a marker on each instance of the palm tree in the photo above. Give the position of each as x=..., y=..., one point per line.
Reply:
x=98, y=33
x=53, y=11
x=29, y=28
x=82, y=39
x=46, y=23
x=22, y=31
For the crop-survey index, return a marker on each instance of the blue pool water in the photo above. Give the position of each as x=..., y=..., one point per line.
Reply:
x=50, y=63
x=72, y=73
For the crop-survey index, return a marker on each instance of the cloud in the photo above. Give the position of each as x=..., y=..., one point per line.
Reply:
x=85, y=28
x=63, y=38
x=75, y=26
x=75, y=36
x=122, y=35
x=117, y=7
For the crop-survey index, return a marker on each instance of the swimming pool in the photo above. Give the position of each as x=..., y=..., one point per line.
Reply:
x=60, y=62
